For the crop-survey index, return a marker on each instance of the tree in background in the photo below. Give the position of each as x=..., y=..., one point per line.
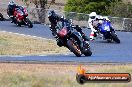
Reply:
x=102, y=7
x=38, y=4
x=53, y=1
x=41, y=4
x=121, y=9
x=87, y=6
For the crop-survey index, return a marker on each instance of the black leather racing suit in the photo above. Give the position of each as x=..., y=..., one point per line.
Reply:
x=55, y=18
x=10, y=11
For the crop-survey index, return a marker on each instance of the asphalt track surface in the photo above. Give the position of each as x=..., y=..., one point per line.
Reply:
x=103, y=52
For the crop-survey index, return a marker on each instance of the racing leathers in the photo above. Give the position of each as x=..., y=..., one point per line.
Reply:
x=93, y=24
x=53, y=20
x=10, y=11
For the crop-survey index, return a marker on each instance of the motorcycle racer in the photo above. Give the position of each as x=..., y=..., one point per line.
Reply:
x=54, y=18
x=10, y=10
x=93, y=22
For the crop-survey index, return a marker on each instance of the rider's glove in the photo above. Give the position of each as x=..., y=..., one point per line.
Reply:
x=95, y=31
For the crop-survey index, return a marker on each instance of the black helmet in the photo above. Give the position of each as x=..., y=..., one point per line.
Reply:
x=12, y=3
x=51, y=12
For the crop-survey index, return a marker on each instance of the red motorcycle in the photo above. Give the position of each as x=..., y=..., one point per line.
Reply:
x=21, y=17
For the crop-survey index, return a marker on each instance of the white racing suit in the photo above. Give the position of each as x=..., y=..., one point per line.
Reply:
x=92, y=24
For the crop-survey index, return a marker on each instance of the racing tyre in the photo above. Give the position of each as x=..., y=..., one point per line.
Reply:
x=73, y=47
x=115, y=38
x=87, y=50
x=29, y=23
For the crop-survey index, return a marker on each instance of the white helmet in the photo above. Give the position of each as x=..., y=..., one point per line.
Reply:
x=11, y=3
x=101, y=17
x=92, y=15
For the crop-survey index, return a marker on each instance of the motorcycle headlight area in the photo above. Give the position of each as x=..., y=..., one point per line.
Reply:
x=19, y=11
x=22, y=14
x=107, y=28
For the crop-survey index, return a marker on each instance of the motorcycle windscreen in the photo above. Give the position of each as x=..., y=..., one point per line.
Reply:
x=19, y=11
x=104, y=27
x=63, y=32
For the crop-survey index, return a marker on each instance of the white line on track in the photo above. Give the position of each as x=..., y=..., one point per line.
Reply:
x=26, y=35
x=11, y=56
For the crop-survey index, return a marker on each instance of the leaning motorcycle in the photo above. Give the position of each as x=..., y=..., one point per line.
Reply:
x=72, y=39
x=1, y=17
x=106, y=30
x=21, y=17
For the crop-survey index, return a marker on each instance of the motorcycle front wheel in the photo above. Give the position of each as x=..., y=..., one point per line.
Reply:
x=87, y=50
x=115, y=38
x=73, y=47
x=29, y=23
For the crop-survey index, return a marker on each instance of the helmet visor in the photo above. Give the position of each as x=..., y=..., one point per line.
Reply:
x=92, y=17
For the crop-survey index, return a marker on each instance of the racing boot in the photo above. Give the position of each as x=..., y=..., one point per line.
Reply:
x=93, y=36
x=12, y=19
x=59, y=42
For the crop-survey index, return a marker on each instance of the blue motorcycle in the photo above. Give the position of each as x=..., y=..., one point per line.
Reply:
x=108, y=32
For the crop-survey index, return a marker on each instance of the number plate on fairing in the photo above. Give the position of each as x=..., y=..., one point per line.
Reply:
x=107, y=28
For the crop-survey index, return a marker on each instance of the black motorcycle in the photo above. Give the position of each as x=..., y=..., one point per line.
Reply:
x=72, y=39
